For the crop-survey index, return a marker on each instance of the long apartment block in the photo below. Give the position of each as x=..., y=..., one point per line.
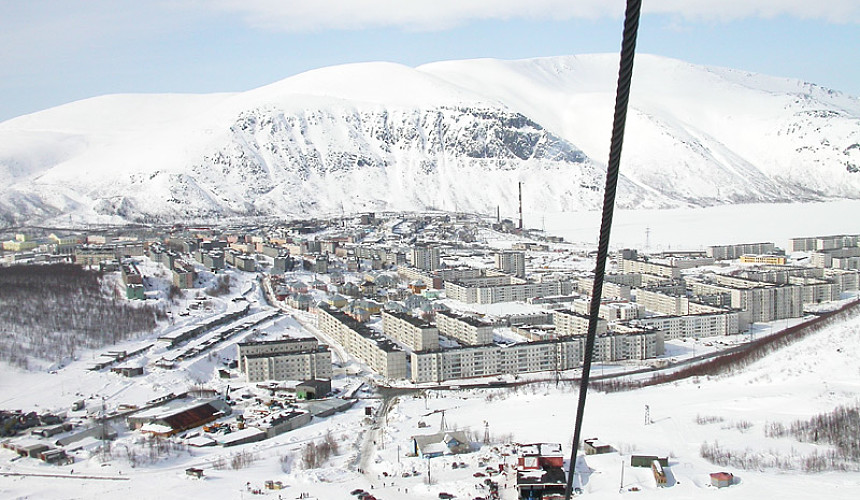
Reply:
x=494, y=289
x=653, y=268
x=375, y=350
x=694, y=325
x=728, y=252
x=548, y=355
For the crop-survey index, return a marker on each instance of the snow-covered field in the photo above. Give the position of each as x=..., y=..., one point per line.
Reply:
x=696, y=228
x=812, y=376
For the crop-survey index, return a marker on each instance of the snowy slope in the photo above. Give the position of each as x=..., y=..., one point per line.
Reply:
x=455, y=135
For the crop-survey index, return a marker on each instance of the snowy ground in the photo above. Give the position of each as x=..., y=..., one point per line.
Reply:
x=812, y=376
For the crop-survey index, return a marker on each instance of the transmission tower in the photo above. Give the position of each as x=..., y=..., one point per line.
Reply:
x=486, y=432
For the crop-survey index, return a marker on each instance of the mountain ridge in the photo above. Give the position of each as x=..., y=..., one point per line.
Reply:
x=453, y=135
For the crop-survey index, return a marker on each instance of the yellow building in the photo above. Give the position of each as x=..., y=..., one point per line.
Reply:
x=774, y=260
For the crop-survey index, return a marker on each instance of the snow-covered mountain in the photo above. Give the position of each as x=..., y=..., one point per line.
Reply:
x=454, y=135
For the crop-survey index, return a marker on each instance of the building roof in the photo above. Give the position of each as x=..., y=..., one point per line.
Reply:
x=546, y=476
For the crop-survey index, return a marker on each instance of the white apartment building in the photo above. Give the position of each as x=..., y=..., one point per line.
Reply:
x=548, y=355
x=512, y=263
x=694, y=325
x=287, y=359
x=672, y=305
x=416, y=333
x=610, y=290
x=728, y=252
x=307, y=365
x=610, y=310
x=823, y=242
x=426, y=257
x=494, y=289
x=642, y=267
x=464, y=329
x=848, y=280
x=569, y=323
x=375, y=350
x=491, y=360
x=763, y=301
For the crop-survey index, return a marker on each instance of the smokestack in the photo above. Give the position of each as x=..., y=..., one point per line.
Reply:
x=521, y=206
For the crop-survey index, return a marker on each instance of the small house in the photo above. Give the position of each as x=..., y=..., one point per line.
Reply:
x=442, y=443
x=722, y=479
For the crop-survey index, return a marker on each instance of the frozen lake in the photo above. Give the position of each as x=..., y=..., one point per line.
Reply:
x=696, y=228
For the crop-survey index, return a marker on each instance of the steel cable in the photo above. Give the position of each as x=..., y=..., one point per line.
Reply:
x=622, y=96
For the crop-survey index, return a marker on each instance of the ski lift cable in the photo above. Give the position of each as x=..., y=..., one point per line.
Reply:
x=625, y=73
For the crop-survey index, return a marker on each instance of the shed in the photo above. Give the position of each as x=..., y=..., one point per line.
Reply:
x=31, y=449
x=645, y=461
x=244, y=436
x=594, y=446
x=722, y=479
x=194, y=472
x=313, y=389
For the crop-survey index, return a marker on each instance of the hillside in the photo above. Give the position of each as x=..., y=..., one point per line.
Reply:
x=454, y=135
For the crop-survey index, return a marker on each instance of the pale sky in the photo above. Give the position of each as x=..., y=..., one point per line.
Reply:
x=57, y=51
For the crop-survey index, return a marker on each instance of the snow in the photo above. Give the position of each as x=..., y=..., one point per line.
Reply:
x=812, y=376
x=431, y=137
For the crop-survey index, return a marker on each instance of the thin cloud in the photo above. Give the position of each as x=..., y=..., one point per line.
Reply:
x=304, y=16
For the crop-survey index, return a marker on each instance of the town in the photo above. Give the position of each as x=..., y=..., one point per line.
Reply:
x=273, y=326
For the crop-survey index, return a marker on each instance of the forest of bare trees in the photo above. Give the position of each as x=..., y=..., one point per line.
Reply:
x=50, y=312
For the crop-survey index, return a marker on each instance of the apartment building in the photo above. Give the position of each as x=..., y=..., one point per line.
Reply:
x=427, y=257
x=655, y=300
x=416, y=333
x=694, y=325
x=763, y=301
x=494, y=289
x=643, y=267
x=569, y=323
x=773, y=260
x=811, y=244
x=375, y=350
x=610, y=310
x=585, y=285
x=492, y=360
x=729, y=252
x=548, y=355
x=839, y=258
x=288, y=359
x=464, y=329
x=511, y=263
